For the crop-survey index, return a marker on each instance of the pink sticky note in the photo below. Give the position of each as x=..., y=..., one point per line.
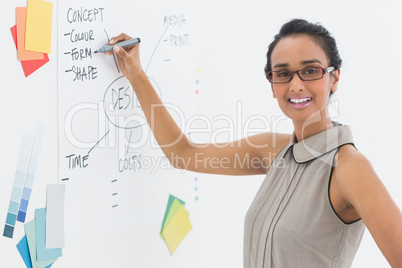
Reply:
x=29, y=66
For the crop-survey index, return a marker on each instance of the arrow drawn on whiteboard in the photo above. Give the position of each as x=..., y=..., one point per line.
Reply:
x=129, y=140
x=160, y=39
x=98, y=142
x=114, y=56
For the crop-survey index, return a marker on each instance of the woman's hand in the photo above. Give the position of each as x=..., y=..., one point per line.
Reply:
x=128, y=58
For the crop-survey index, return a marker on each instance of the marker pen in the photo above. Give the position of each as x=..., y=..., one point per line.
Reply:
x=126, y=43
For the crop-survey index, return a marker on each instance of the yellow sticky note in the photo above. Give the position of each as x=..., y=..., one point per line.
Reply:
x=39, y=26
x=177, y=229
x=173, y=210
x=21, y=15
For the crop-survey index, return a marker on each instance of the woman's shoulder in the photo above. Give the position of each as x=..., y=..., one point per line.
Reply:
x=349, y=158
x=352, y=169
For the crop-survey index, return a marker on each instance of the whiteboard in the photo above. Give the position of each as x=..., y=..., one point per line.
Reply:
x=227, y=45
x=108, y=157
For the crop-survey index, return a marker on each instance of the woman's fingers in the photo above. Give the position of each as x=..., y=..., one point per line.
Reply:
x=128, y=57
x=116, y=39
x=119, y=38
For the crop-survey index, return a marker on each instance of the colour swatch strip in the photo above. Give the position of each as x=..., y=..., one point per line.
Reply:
x=19, y=179
x=30, y=176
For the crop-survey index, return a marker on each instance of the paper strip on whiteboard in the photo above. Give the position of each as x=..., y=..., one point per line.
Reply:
x=55, y=215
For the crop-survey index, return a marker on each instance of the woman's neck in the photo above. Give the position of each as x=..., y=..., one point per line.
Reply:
x=314, y=124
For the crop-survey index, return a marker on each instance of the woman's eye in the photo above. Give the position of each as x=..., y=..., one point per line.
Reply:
x=283, y=73
x=310, y=71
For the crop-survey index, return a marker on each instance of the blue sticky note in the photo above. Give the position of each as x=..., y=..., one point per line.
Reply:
x=31, y=237
x=42, y=253
x=22, y=247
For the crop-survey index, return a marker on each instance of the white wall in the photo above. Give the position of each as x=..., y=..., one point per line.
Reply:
x=232, y=38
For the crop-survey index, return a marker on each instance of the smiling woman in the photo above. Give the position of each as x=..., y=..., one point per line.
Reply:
x=328, y=190
x=319, y=193
x=301, y=52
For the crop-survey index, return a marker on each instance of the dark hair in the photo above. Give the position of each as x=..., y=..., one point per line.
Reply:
x=319, y=34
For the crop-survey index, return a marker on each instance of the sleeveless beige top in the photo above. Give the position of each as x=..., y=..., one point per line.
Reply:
x=291, y=222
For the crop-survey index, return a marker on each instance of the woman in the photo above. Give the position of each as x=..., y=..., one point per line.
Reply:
x=319, y=192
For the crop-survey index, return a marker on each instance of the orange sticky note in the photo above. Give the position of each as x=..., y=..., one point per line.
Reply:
x=21, y=14
x=29, y=66
x=39, y=26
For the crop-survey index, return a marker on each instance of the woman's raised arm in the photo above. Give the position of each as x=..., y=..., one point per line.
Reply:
x=251, y=155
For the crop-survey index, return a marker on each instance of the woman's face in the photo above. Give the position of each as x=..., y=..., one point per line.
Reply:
x=294, y=53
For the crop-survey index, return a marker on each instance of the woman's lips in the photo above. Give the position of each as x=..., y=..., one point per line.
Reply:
x=299, y=102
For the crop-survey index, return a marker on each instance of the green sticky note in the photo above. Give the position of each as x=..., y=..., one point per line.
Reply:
x=42, y=253
x=168, y=207
x=31, y=237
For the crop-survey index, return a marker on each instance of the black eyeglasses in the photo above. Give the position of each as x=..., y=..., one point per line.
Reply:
x=305, y=74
